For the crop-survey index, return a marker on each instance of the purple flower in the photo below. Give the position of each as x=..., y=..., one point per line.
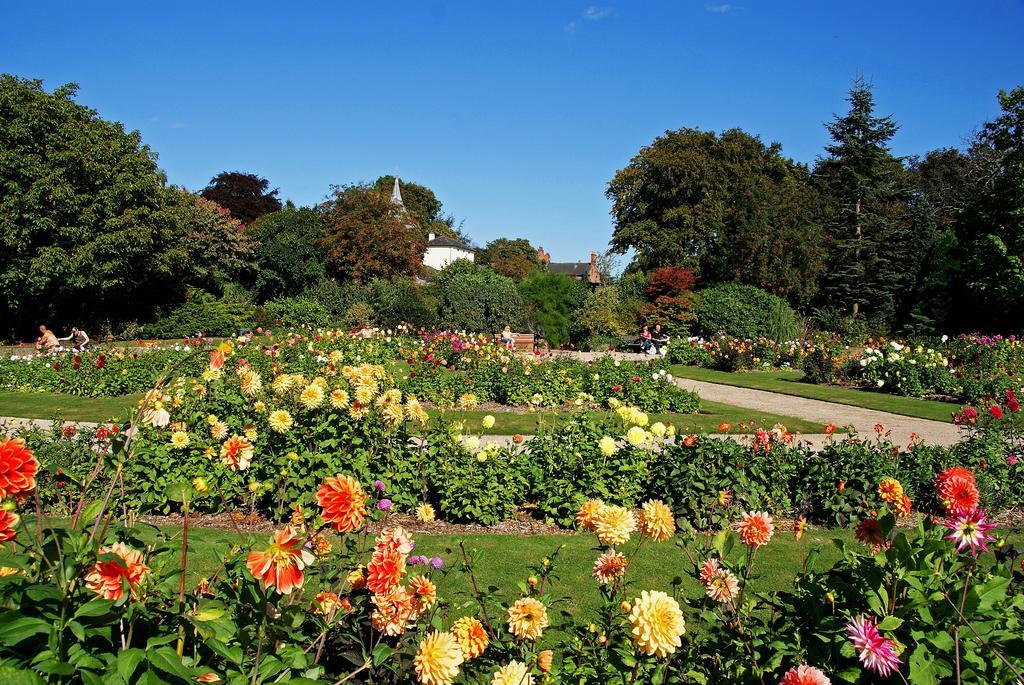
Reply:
x=436, y=563
x=412, y=544
x=384, y=505
x=378, y=485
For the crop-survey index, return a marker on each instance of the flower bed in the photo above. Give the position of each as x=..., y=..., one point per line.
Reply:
x=324, y=601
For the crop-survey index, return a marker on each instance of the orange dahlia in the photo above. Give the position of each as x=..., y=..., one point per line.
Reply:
x=17, y=468
x=393, y=611
x=236, y=453
x=424, y=593
x=756, y=528
x=527, y=618
x=280, y=565
x=958, y=494
x=384, y=571
x=471, y=636
x=902, y=506
x=108, y=576
x=394, y=539
x=8, y=520
x=890, y=490
x=656, y=521
x=708, y=570
x=587, y=513
x=325, y=603
x=343, y=502
x=609, y=566
x=869, y=532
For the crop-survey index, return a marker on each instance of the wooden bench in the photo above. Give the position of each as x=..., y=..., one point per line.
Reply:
x=522, y=341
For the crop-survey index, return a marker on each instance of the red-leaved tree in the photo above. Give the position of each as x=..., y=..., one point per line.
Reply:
x=669, y=294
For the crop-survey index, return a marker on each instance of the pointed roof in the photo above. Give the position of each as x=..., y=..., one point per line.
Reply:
x=396, y=195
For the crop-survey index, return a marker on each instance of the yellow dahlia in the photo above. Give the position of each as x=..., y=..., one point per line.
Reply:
x=425, y=513
x=607, y=446
x=364, y=394
x=415, y=411
x=282, y=384
x=179, y=440
x=614, y=524
x=280, y=421
x=527, y=618
x=339, y=399
x=218, y=430
x=656, y=521
x=467, y=402
x=438, y=659
x=513, y=673
x=251, y=383
x=312, y=396
x=656, y=623
x=471, y=636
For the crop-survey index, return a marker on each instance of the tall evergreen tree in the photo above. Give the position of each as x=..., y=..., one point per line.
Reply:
x=880, y=227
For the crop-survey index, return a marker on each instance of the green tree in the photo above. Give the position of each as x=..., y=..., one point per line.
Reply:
x=602, y=313
x=88, y=231
x=882, y=229
x=514, y=258
x=992, y=229
x=728, y=205
x=366, y=237
x=552, y=299
x=219, y=247
x=289, y=253
x=475, y=298
x=246, y=196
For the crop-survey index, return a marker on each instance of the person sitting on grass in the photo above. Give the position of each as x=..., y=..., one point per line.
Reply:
x=47, y=341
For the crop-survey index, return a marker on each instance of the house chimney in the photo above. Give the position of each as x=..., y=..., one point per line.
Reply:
x=542, y=256
x=593, y=258
x=430, y=237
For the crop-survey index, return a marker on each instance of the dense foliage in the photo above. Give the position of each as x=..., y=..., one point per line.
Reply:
x=744, y=311
x=246, y=196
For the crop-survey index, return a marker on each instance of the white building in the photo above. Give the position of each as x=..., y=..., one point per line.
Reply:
x=441, y=250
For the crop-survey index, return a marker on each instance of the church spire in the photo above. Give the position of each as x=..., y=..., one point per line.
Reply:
x=396, y=195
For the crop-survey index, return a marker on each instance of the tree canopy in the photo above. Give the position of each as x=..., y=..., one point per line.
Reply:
x=244, y=195
x=424, y=207
x=87, y=226
x=727, y=205
x=289, y=253
x=512, y=257
x=365, y=237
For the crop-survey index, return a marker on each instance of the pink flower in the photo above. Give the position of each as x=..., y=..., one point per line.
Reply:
x=804, y=675
x=1012, y=460
x=970, y=529
x=876, y=652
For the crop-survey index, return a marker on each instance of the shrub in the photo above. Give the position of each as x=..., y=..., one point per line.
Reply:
x=202, y=313
x=358, y=314
x=295, y=311
x=477, y=299
x=602, y=313
x=552, y=298
x=744, y=311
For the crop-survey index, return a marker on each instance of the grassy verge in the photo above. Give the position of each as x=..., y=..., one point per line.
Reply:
x=791, y=383
x=69, y=407
x=98, y=409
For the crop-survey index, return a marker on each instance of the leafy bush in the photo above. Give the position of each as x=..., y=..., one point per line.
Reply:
x=202, y=313
x=477, y=299
x=602, y=313
x=552, y=299
x=744, y=311
x=358, y=314
x=295, y=311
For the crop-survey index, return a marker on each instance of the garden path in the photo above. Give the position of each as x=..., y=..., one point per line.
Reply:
x=861, y=420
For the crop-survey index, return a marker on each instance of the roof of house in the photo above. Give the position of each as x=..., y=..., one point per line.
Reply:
x=570, y=268
x=445, y=241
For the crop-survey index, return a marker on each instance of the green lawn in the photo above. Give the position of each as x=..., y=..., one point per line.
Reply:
x=71, y=407
x=98, y=409
x=790, y=383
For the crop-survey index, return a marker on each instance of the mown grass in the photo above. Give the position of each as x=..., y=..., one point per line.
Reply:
x=791, y=383
x=46, y=405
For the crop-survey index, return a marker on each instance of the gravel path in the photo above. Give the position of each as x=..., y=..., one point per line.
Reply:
x=861, y=420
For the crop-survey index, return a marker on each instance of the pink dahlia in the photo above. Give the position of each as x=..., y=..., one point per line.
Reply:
x=970, y=529
x=876, y=652
x=804, y=675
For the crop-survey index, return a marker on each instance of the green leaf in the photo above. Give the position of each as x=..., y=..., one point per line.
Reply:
x=166, y=659
x=381, y=654
x=16, y=676
x=96, y=607
x=179, y=492
x=127, y=661
x=14, y=629
x=890, y=623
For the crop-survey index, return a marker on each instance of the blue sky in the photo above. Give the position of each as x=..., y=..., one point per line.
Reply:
x=516, y=114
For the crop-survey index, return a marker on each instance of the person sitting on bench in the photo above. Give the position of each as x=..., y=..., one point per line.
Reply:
x=658, y=338
x=507, y=339
x=645, y=339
